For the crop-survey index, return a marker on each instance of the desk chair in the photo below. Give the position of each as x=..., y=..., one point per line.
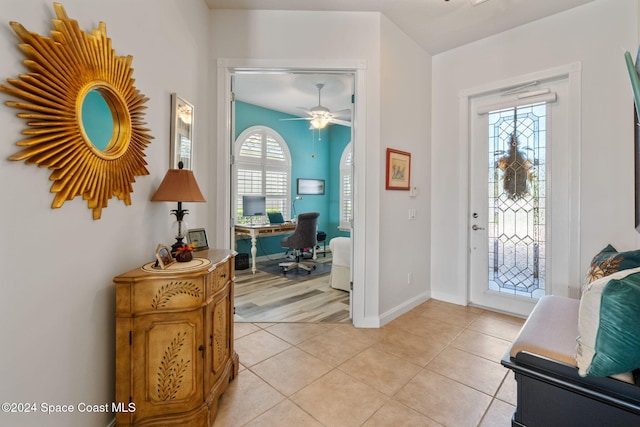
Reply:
x=304, y=236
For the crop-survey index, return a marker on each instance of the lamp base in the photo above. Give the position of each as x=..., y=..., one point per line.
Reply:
x=178, y=244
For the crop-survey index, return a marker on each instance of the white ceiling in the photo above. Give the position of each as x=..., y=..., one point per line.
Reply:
x=436, y=25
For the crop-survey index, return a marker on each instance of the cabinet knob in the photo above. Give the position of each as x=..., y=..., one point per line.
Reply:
x=201, y=348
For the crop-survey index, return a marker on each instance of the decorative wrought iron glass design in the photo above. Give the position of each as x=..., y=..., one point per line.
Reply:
x=517, y=200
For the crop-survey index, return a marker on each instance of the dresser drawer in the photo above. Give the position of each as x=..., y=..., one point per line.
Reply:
x=219, y=277
x=169, y=294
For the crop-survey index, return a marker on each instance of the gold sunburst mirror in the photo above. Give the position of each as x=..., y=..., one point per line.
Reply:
x=84, y=115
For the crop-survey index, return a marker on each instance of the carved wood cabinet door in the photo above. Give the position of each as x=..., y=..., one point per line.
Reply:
x=219, y=338
x=168, y=363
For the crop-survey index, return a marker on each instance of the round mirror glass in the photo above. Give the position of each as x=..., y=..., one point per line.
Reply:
x=97, y=119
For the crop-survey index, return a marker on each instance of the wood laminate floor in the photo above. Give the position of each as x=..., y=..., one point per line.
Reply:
x=295, y=297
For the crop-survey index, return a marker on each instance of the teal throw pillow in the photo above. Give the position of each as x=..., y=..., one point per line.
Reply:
x=617, y=346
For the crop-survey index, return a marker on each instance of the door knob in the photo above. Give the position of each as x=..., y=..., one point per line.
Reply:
x=474, y=227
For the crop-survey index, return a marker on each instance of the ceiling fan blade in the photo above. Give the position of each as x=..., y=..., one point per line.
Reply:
x=297, y=118
x=306, y=110
x=342, y=113
x=341, y=122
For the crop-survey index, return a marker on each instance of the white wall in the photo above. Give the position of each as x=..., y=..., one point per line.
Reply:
x=405, y=125
x=57, y=294
x=596, y=35
x=296, y=37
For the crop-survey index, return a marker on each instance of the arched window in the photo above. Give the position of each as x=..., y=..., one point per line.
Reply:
x=262, y=167
x=346, y=187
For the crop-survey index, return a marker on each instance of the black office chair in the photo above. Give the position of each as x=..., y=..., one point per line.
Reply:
x=303, y=237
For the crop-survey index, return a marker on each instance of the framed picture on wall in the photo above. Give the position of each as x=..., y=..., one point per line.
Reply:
x=181, y=132
x=398, y=170
x=310, y=186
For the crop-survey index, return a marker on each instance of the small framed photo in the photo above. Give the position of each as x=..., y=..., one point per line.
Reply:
x=181, y=132
x=398, y=170
x=163, y=256
x=198, y=237
x=310, y=186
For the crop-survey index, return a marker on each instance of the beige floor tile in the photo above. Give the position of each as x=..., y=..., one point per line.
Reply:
x=394, y=413
x=444, y=400
x=498, y=415
x=246, y=398
x=285, y=414
x=291, y=370
x=367, y=336
x=339, y=400
x=506, y=317
x=468, y=369
x=258, y=346
x=451, y=306
x=333, y=347
x=383, y=371
x=482, y=345
x=295, y=333
x=460, y=316
x=508, y=391
x=429, y=328
x=412, y=348
x=242, y=329
x=496, y=326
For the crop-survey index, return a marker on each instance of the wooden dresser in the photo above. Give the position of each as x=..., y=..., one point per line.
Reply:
x=174, y=340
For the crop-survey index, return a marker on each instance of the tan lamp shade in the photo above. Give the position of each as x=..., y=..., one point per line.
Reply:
x=178, y=185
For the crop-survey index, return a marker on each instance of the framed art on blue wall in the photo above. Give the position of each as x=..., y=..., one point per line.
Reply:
x=310, y=186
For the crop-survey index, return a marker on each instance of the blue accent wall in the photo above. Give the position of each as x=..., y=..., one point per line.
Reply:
x=313, y=156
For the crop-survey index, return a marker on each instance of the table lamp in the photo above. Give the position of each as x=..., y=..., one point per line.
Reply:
x=179, y=185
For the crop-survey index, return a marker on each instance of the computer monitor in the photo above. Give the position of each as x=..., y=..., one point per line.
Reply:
x=254, y=205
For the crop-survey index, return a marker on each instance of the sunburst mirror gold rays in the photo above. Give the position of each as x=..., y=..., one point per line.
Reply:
x=67, y=72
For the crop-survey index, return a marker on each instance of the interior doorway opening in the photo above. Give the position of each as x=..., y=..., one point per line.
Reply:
x=281, y=94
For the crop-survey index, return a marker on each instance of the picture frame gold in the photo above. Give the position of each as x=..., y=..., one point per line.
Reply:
x=398, y=170
x=163, y=257
x=182, y=115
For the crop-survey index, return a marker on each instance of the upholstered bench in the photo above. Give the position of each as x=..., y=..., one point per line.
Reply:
x=550, y=391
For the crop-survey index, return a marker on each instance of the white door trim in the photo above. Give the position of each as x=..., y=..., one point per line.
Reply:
x=225, y=67
x=570, y=284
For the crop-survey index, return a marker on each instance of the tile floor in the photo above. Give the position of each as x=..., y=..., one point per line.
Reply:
x=438, y=365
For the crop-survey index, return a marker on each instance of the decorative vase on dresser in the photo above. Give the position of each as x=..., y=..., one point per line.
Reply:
x=174, y=340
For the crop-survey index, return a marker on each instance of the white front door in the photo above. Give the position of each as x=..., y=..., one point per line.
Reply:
x=518, y=147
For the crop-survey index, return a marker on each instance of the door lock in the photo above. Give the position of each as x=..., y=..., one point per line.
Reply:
x=474, y=227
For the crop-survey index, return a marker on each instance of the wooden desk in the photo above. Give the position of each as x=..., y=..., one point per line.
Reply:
x=255, y=231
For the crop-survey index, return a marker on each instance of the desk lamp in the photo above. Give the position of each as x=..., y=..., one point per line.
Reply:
x=293, y=205
x=179, y=185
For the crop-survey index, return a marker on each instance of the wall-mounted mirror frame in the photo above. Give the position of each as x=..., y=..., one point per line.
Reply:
x=64, y=70
x=182, y=114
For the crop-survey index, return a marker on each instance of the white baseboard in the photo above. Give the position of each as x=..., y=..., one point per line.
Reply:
x=403, y=308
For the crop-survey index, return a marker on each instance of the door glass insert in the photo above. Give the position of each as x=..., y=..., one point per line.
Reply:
x=517, y=200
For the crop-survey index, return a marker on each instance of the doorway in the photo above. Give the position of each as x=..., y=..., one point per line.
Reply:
x=226, y=80
x=522, y=196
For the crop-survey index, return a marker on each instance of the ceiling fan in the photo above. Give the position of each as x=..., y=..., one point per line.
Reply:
x=320, y=117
